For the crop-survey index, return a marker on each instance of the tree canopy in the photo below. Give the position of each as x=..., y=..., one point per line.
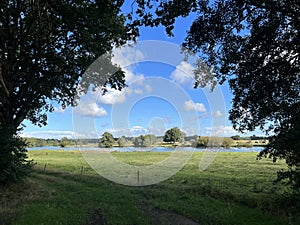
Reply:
x=144, y=140
x=255, y=46
x=45, y=48
x=122, y=141
x=174, y=135
x=107, y=140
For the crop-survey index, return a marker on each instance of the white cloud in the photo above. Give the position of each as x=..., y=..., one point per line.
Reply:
x=158, y=125
x=191, y=131
x=133, y=131
x=90, y=109
x=56, y=134
x=148, y=88
x=138, y=91
x=122, y=57
x=137, y=129
x=190, y=105
x=59, y=110
x=111, y=97
x=183, y=73
x=130, y=77
x=157, y=131
x=218, y=114
x=125, y=56
x=222, y=131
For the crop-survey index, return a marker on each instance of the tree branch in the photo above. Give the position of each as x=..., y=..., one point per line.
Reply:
x=2, y=82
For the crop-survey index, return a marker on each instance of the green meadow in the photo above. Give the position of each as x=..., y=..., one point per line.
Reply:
x=235, y=189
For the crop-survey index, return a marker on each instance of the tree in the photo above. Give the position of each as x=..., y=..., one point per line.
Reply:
x=227, y=142
x=144, y=140
x=213, y=142
x=45, y=48
x=122, y=141
x=255, y=46
x=150, y=140
x=236, y=137
x=139, y=141
x=107, y=140
x=202, y=142
x=35, y=142
x=64, y=142
x=174, y=135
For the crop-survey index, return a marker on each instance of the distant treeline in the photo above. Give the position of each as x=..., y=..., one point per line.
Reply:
x=150, y=140
x=39, y=142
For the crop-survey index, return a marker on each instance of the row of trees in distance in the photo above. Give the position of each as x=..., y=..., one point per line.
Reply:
x=175, y=136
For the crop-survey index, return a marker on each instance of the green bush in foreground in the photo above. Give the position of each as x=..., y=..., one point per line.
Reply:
x=13, y=159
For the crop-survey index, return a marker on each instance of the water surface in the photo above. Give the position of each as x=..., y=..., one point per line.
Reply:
x=153, y=149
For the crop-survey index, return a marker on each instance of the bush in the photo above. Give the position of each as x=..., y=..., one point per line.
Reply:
x=13, y=158
x=227, y=142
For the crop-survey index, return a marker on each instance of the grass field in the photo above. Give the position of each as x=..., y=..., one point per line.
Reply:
x=234, y=189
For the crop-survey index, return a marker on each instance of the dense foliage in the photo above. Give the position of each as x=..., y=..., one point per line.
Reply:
x=107, y=140
x=45, y=48
x=174, y=135
x=211, y=142
x=13, y=158
x=122, y=141
x=144, y=140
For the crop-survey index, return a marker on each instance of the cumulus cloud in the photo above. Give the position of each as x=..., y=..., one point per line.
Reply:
x=139, y=129
x=157, y=131
x=222, y=131
x=183, y=73
x=90, y=109
x=59, y=110
x=131, y=131
x=148, y=88
x=58, y=134
x=138, y=91
x=190, y=105
x=111, y=97
x=126, y=56
x=51, y=134
x=218, y=114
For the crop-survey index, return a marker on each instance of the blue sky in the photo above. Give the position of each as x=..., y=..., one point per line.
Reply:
x=159, y=96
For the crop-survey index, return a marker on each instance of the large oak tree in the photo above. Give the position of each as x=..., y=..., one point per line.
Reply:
x=174, y=135
x=45, y=48
x=255, y=45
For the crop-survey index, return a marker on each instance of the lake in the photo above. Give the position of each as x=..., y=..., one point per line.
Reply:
x=152, y=149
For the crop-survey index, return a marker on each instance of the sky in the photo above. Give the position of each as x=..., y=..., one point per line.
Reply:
x=159, y=96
